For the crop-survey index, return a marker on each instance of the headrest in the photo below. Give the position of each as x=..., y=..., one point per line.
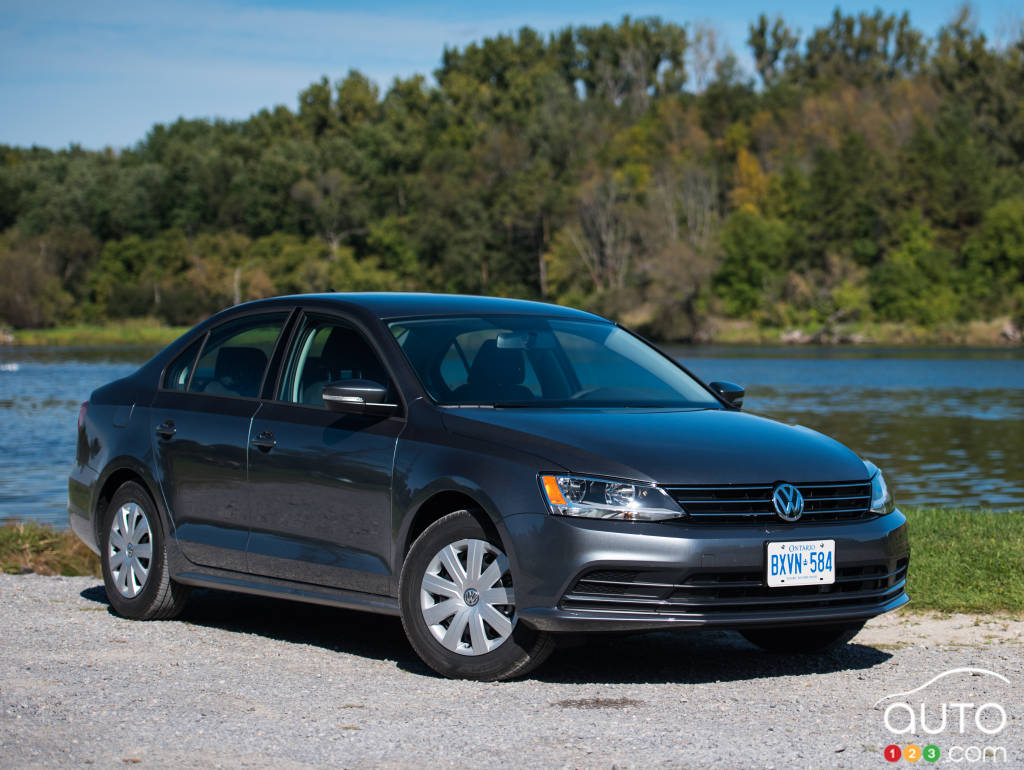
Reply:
x=242, y=365
x=346, y=351
x=501, y=366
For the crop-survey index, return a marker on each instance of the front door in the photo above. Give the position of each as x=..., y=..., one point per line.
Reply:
x=201, y=418
x=320, y=482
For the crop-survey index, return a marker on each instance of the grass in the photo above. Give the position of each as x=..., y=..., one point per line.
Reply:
x=966, y=560
x=142, y=331
x=30, y=547
x=962, y=559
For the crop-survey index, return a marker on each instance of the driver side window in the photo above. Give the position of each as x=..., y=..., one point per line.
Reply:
x=327, y=352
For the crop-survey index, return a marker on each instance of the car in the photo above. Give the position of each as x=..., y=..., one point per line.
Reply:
x=498, y=473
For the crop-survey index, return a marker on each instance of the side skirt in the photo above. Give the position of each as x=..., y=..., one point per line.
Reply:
x=284, y=589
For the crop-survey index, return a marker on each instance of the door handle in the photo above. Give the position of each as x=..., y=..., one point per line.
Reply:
x=265, y=441
x=166, y=429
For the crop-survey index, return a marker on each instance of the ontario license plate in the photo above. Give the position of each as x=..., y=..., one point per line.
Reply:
x=802, y=563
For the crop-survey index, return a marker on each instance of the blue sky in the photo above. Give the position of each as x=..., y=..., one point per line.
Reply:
x=99, y=73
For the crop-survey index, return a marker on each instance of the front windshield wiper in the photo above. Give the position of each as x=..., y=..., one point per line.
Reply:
x=529, y=404
x=574, y=404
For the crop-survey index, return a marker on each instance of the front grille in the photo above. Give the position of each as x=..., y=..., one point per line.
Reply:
x=743, y=503
x=718, y=593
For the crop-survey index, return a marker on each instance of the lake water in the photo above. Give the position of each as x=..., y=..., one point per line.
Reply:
x=947, y=425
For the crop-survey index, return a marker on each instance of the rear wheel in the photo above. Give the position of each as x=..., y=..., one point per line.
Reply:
x=458, y=604
x=134, y=558
x=816, y=638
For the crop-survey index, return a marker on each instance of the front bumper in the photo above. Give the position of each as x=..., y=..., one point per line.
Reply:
x=576, y=575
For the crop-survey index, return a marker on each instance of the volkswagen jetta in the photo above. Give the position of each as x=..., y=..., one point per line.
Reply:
x=495, y=472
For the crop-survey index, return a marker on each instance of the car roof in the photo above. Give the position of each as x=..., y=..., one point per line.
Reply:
x=392, y=305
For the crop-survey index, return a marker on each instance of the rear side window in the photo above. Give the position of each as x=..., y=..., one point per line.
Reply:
x=176, y=377
x=235, y=356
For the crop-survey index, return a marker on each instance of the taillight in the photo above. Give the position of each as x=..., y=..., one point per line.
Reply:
x=81, y=414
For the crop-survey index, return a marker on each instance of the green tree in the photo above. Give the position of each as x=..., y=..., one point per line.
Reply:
x=756, y=249
x=913, y=283
x=862, y=50
x=333, y=205
x=774, y=46
x=995, y=257
x=30, y=294
x=629, y=167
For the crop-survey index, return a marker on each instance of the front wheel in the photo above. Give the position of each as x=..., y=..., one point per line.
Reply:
x=816, y=638
x=458, y=604
x=134, y=558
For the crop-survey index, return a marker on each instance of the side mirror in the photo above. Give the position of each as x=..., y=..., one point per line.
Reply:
x=732, y=393
x=358, y=397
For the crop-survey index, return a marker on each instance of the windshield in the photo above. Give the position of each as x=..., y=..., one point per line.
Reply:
x=529, y=361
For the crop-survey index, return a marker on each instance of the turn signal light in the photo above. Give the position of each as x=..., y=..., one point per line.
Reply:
x=551, y=489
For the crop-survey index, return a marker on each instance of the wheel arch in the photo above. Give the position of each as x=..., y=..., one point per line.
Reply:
x=440, y=504
x=118, y=474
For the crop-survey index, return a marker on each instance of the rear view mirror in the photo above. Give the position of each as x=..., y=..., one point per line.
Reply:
x=358, y=397
x=526, y=341
x=732, y=393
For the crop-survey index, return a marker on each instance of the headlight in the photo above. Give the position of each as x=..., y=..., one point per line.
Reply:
x=604, y=499
x=881, y=498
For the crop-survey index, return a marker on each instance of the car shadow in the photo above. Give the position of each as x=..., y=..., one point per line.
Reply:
x=692, y=656
x=683, y=657
x=378, y=637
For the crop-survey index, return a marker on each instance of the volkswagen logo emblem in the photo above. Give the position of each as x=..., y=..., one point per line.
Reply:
x=788, y=502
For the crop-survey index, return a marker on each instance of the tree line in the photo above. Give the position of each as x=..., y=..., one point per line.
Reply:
x=866, y=172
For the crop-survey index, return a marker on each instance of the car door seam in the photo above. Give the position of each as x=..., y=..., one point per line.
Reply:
x=248, y=449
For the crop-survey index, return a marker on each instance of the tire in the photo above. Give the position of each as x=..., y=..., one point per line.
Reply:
x=816, y=638
x=143, y=590
x=472, y=632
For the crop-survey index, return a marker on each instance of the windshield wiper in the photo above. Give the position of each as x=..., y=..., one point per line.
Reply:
x=577, y=404
x=530, y=404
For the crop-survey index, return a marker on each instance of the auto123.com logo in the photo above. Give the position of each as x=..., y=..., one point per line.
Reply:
x=956, y=716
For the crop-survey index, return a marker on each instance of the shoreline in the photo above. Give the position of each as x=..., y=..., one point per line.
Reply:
x=131, y=333
x=998, y=334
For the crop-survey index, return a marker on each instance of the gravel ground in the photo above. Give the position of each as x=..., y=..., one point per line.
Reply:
x=240, y=681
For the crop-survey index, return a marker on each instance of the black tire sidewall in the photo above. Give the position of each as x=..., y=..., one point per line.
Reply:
x=512, y=656
x=141, y=605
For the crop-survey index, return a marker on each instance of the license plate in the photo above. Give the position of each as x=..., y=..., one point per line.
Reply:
x=802, y=563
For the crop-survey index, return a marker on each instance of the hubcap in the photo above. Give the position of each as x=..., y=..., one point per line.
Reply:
x=466, y=597
x=130, y=550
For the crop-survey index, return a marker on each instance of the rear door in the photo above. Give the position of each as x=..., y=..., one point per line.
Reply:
x=200, y=426
x=319, y=481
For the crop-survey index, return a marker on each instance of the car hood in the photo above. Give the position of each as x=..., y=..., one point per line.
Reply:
x=710, y=446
